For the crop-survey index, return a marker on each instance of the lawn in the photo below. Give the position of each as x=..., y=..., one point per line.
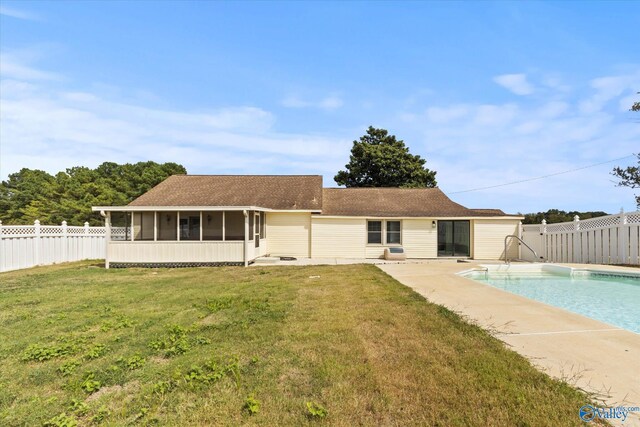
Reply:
x=334, y=345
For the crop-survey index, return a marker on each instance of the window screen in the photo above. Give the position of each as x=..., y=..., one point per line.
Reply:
x=374, y=232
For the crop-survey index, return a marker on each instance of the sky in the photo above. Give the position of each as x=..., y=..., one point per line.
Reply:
x=489, y=93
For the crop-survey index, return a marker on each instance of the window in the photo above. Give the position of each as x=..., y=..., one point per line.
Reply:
x=393, y=232
x=388, y=232
x=374, y=232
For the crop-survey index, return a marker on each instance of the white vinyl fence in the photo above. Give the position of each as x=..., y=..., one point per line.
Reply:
x=611, y=239
x=23, y=246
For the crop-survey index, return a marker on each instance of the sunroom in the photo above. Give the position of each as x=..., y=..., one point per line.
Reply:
x=183, y=236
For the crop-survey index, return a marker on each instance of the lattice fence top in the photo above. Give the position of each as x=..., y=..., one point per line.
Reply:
x=18, y=230
x=9, y=231
x=633, y=218
x=560, y=227
x=75, y=230
x=587, y=224
x=601, y=222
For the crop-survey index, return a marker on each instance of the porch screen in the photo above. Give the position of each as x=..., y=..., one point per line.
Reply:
x=212, y=225
x=234, y=225
x=167, y=227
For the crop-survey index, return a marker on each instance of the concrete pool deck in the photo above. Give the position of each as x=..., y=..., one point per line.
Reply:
x=597, y=357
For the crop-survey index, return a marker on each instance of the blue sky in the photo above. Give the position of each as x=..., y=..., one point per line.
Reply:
x=488, y=93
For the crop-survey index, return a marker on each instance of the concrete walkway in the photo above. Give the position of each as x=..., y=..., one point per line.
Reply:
x=594, y=356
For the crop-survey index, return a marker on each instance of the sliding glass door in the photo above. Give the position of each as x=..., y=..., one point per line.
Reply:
x=454, y=238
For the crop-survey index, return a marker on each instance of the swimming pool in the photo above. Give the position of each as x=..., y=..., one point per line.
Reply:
x=607, y=296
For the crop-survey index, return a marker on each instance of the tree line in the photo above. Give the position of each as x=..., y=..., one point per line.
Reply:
x=32, y=194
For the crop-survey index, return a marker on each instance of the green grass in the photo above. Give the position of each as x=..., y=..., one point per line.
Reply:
x=264, y=346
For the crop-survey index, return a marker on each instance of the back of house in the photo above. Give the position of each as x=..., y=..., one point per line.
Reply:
x=235, y=219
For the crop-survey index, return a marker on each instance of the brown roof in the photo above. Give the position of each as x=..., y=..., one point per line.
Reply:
x=395, y=202
x=491, y=212
x=303, y=192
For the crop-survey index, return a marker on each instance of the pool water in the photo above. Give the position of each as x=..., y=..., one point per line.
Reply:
x=611, y=299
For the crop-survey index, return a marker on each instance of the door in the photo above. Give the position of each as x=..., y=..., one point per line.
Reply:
x=190, y=228
x=454, y=238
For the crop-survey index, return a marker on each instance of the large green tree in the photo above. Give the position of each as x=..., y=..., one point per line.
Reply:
x=380, y=160
x=629, y=177
x=31, y=194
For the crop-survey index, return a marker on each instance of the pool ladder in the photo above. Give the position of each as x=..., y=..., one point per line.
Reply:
x=506, y=257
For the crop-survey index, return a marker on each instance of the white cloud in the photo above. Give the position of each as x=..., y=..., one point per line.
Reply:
x=609, y=88
x=54, y=129
x=16, y=13
x=516, y=83
x=13, y=66
x=446, y=114
x=484, y=144
x=328, y=103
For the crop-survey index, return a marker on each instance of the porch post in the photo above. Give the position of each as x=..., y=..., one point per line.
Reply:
x=246, y=238
x=223, y=226
x=201, y=226
x=155, y=226
x=178, y=226
x=132, y=230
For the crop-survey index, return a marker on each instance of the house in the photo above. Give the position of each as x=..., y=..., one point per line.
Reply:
x=214, y=219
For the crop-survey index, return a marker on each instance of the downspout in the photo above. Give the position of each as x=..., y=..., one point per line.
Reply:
x=246, y=237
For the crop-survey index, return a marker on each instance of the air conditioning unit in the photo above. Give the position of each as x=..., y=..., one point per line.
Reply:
x=395, y=254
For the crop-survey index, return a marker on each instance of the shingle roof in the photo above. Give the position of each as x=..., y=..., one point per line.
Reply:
x=303, y=192
x=491, y=212
x=395, y=202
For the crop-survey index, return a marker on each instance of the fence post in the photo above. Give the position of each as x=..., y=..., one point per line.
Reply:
x=65, y=242
x=1, y=249
x=519, y=244
x=623, y=239
x=36, y=244
x=543, y=232
x=87, y=246
x=576, y=240
x=107, y=238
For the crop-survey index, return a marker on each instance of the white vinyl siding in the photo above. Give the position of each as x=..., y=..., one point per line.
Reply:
x=141, y=252
x=338, y=237
x=488, y=238
x=419, y=238
x=288, y=234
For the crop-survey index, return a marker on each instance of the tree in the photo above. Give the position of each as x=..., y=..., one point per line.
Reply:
x=380, y=160
x=68, y=196
x=629, y=177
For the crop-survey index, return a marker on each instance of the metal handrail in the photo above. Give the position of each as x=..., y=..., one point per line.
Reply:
x=506, y=258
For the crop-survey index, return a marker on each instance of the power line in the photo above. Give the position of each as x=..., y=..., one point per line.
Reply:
x=543, y=176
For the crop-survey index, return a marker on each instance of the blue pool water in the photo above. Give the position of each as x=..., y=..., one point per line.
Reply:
x=608, y=298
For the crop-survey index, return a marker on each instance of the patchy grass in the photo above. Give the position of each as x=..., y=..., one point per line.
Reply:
x=264, y=346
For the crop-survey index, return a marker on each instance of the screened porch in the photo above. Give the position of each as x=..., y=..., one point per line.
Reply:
x=193, y=237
